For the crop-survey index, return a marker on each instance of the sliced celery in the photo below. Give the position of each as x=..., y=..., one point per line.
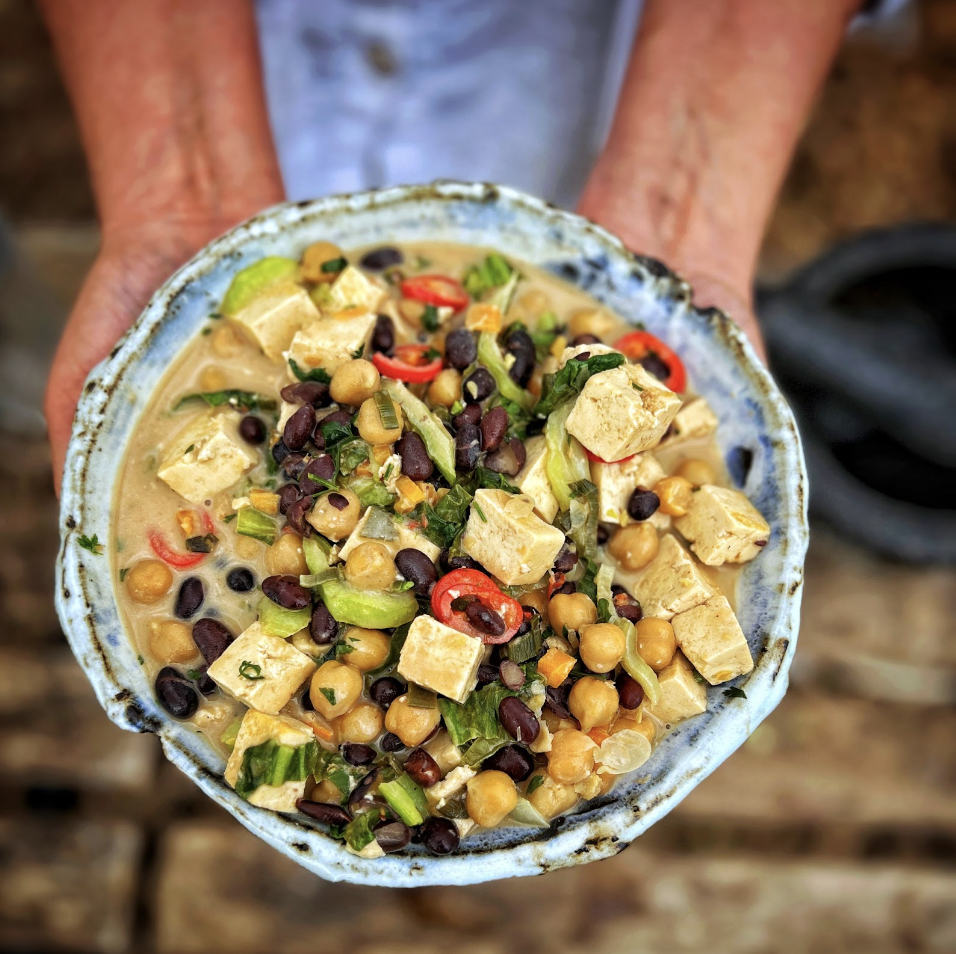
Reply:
x=374, y=610
x=254, y=523
x=253, y=280
x=316, y=554
x=489, y=354
x=567, y=462
x=277, y=621
x=438, y=442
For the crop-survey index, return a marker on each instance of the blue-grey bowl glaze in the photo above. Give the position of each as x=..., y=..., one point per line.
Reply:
x=722, y=367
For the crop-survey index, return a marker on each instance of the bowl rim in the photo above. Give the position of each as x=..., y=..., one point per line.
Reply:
x=584, y=836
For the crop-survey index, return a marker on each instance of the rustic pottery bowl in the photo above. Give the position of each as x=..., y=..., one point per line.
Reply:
x=757, y=434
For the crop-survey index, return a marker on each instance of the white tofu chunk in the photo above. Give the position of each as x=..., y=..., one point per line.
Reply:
x=451, y=785
x=514, y=544
x=694, y=421
x=682, y=696
x=465, y=827
x=405, y=538
x=207, y=456
x=616, y=482
x=257, y=728
x=622, y=411
x=353, y=289
x=445, y=753
x=331, y=342
x=286, y=410
x=591, y=349
x=672, y=582
x=440, y=658
x=712, y=640
x=723, y=526
x=532, y=479
x=262, y=672
x=272, y=318
x=371, y=851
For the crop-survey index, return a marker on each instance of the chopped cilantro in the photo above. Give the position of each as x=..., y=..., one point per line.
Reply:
x=190, y=449
x=91, y=543
x=194, y=674
x=570, y=379
x=140, y=659
x=316, y=374
x=480, y=512
x=536, y=782
x=430, y=320
x=359, y=351
x=334, y=265
x=250, y=671
x=735, y=693
x=123, y=573
x=230, y=518
x=329, y=694
x=636, y=386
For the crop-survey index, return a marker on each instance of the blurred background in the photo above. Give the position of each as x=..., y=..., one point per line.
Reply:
x=832, y=830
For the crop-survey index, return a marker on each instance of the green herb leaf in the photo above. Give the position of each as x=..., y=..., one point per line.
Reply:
x=140, y=660
x=250, y=671
x=230, y=518
x=493, y=272
x=477, y=718
x=569, y=380
x=242, y=401
x=194, y=674
x=446, y=519
x=335, y=431
x=480, y=513
x=536, y=782
x=358, y=352
x=203, y=544
x=430, y=320
x=359, y=832
x=329, y=694
x=735, y=693
x=483, y=477
x=91, y=543
x=334, y=265
x=316, y=374
x=122, y=573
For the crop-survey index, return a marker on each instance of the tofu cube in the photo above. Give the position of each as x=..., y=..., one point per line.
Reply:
x=440, y=658
x=712, y=640
x=207, y=456
x=616, y=482
x=353, y=289
x=509, y=540
x=445, y=753
x=682, y=696
x=331, y=342
x=723, y=526
x=672, y=583
x=405, y=538
x=592, y=349
x=694, y=421
x=622, y=411
x=257, y=728
x=451, y=785
x=532, y=479
x=262, y=672
x=272, y=318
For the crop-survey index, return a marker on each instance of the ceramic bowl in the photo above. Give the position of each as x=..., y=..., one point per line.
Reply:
x=757, y=434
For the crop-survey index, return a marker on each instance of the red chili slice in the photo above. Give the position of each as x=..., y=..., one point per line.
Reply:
x=411, y=363
x=601, y=460
x=438, y=290
x=640, y=344
x=165, y=552
x=465, y=583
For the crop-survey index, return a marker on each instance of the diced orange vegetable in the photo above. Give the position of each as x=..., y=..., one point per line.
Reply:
x=483, y=317
x=555, y=666
x=189, y=523
x=410, y=490
x=598, y=734
x=381, y=453
x=265, y=501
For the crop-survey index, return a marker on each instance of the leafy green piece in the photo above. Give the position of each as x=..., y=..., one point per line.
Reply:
x=275, y=620
x=316, y=554
x=493, y=272
x=334, y=265
x=477, y=718
x=481, y=749
x=584, y=518
x=316, y=374
x=203, y=544
x=250, y=671
x=242, y=401
x=735, y=692
x=569, y=380
x=524, y=813
x=430, y=321
x=91, y=543
x=405, y=798
x=536, y=782
x=374, y=610
x=371, y=492
x=254, y=523
x=438, y=442
x=489, y=354
x=273, y=764
x=330, y=766
x=329, y=694
x=249, y=283
x=446, y=519
x=526, y=647
x=567, y=462
x=359, y=832
x=379, y=525
x=635, y=666
x=231, y=733
x=351, y=454
x=483, y=477
x=335, y=431
x=420, y=698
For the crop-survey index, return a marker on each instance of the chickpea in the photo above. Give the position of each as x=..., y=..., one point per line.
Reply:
x=247, y=548
x=412, y=311
x=551, y=798
x=534, y=303
x=212, y=379
x=226, y=340
x=329, y=520
x=354, y=382
x=410, y=724
x=370, y=567
x=592, y=321
x=314, y=257
x=446, y=388
x=571, y=757
x=602, y=646
x=369, y=423
x=362, y=723
x=334, y=688
x=645, y=726
x=285, y=556
x=537, y=600
x=171, y=641
x=674, y=494
x=370, y=648
x=491, y=797
x=656, y=643
x=697, y=471
x=571, y=610
x=634, y=546
x=149, y=581
x=593, y=702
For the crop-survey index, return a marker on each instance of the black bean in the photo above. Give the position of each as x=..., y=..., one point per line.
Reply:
x=422, y=768
x=565, y=589
x=298, y=429
x=653, y=365
x=439, y=835
x=391, y=743
x=385, y=691
x=295, y=516
x=306, y=699
x=381, y=258
x=642, y=504
x=630, y=691
x=339, y=501
x=324, y=812
x=458, y=562
x=484, y=619
x=478, y=386
x=583, y=356
x=203, y=683
x=211, y=637
x=323, y=627
x=252, y=430
x=336, y=417
x=585, y=339
x=513, y=760
x=460, y=348
x=322, y=468
x=416, y=463
x=288, y=495
x=518, y=720
x=415, y=566
x=487, y=674
x=240, y=579
x=307, y=392
x=177, y=696
x=383, y=335
x=557, y=700
x=603, y=534
x=279, y=452
x=467, y=448
x=189, y=598
x=494, y=426
x=356, y=753
x=293, y=464
x=508, y=459
x=630, y=611
x=471, y=414
x=392, y=836
x=287, y=591
x=360, y=796
x=566, y=559
x=519, y=344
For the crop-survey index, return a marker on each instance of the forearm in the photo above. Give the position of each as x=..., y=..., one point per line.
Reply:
x=716, y=95
x=169, y=99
